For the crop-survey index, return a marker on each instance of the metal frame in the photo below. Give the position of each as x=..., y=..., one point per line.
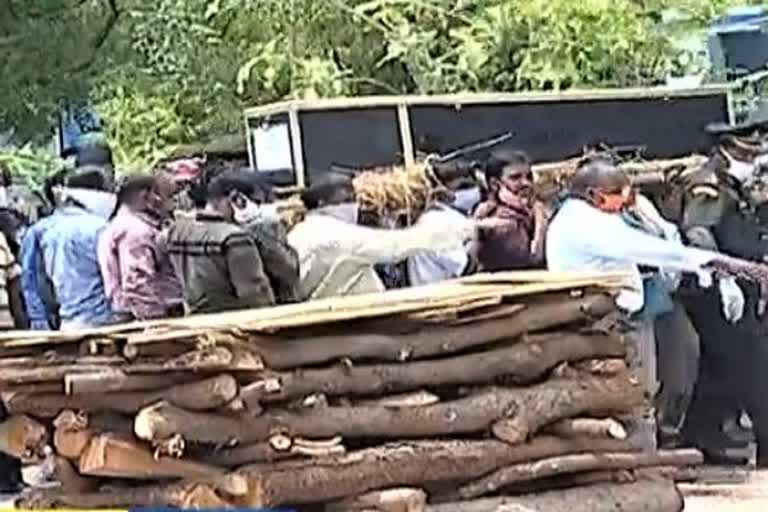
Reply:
x=402, y=104
x=479, y=98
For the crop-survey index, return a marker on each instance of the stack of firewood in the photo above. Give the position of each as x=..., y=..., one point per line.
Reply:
x=477, y=395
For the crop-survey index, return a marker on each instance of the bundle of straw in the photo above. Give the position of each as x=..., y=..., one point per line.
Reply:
x=396, y=192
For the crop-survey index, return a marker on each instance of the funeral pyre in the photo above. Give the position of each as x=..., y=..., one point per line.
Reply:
x=495, y=391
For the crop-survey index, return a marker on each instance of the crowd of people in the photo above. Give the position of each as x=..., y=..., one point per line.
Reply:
x=109, y=254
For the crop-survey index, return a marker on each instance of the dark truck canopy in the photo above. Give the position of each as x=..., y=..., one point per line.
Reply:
x=300, y=139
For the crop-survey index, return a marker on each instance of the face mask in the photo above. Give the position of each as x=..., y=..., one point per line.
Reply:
x=95, y=201
x=253, y=212
x=346, y=212
x=613, y=203
x=466, y=199
x=744, y=172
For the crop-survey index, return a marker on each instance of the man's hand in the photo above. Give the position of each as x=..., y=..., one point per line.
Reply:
x=732, y=299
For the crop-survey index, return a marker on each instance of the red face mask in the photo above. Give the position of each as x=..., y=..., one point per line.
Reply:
x=614, y=202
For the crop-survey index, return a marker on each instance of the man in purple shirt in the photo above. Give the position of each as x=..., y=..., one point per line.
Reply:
x=137, y=272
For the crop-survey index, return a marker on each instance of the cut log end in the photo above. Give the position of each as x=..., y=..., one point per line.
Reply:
x=22, y=437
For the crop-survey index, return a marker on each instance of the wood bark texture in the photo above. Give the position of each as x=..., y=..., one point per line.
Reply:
x=401, y=464
x=523, y=411
x=293, y=353
x=183, y=495
x=594, y=427
x=110, y=456
x=523, y=362
x=576, y=463
x=206, y=394
x=642, y=496
x=402, y=499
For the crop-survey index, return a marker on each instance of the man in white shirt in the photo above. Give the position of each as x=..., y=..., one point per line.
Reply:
x=337, y=256
x=588, y=234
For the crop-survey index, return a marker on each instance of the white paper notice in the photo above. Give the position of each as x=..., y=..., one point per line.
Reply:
x=272, y=147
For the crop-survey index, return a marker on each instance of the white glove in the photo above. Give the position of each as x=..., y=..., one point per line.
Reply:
x=732, y=299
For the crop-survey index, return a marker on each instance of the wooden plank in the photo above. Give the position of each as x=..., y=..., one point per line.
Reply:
x=410, y=300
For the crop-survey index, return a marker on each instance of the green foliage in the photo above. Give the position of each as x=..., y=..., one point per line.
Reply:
x=30, y=165
x=169, y=72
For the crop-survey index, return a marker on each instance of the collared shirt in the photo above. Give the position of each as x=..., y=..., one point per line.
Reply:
x=219, y=264
x=139, y=277
x=337, y=258
x=432, y=267
x=65, y=243
x=9, y=270
x=583, y=238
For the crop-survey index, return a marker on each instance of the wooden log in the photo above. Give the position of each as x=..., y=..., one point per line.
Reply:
x=73, y=431
x=619, y=476
x=523, y=411
x=209, y=359
x=112, y=380
x=401, y=499
x=401, y=464
x=72, y=443
x=591, y=427
x=110, y=456
x=414, y=399
x=206, y=394
x=545, y=468
x=642, y=496
x=134, y=351
x=182, y=495
x=101, y=422
x=55, y=359
x=22, y=437
x=247, y=454
x=523, y=362
x=285, y=354
x=71, y=481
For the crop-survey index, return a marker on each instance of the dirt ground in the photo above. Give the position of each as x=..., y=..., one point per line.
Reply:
x=727, y=490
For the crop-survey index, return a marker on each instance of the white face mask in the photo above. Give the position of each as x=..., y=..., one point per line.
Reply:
x=744, y=172
x=95, y=201
x=253, y=212
x=346, y=212
x=466, y=199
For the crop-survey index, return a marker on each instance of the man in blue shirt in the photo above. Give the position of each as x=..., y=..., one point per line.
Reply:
x=64, y=245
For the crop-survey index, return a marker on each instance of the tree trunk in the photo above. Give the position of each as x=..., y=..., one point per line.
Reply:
x=524, y=362
x=642, y=496
x=560, y=465
x=206, y=394
x=22, y=437
x=400, y=464
x=402, y=499
x=285, y=354
x=524, y=411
